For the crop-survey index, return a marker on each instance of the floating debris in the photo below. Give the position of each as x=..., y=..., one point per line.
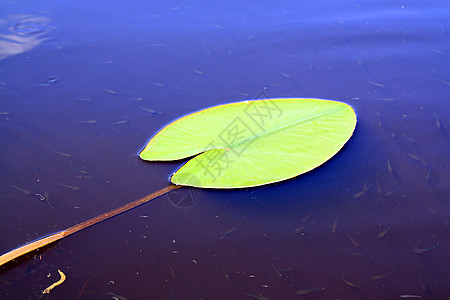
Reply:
x=284, y=74
x=257, y=296
x=27, y=192
x=354, y=253
x=109, y=91
x=410, y=296
x=49, y=81
x=62, y=153
x=116, y=297
x=280, y=272
x=349, y=283
x=303, y=221
x=391, y=192
x=70, y=187
x=206, y=49
x=438, y=121
x=379, y=191
x=383, y=233
x=277, y=271
x=82, y=289
x=287, y=269
x=149, y=110
x=41, y=197
x=300, y=229
x=416, y=158
x=437, y=51
x=424, y=285
x=225, y=273
x=120, y=122
x=241, y=93
x=198, y=72
x=88, y=122
x=359, y=194
x=309, y=291
x=376, y=84
x=230, y=231
x=385, y=99
x=443, y=81
x=156, y=83
x=306, y=218
x=355, y=243
x=381, y=276
x=428, y=176
x=363, y=192
x=61, y=280
x=423, y=250
x=335, y=224
x=389, y=166
x=412, y=156
x=47, y=195
x=217, y=26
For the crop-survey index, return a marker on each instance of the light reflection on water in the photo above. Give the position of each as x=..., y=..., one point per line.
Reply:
x=77, y=107
x=21, y=33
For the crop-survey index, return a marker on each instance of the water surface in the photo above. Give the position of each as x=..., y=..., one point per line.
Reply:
x=83, y=86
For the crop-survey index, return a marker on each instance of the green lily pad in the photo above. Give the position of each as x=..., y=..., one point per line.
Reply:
x=251, y=143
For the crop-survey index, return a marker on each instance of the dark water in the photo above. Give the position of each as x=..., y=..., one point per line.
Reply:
x=84, y=85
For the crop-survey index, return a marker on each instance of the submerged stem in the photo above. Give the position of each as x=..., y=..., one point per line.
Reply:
x=13, y=254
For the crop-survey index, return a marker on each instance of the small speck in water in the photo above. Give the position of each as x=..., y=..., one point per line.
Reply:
x=49, y=81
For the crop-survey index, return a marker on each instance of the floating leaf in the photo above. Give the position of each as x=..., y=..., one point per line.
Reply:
x=242, y=144
x=252, y=143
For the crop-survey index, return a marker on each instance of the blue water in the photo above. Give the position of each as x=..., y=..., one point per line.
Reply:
x=83, y=86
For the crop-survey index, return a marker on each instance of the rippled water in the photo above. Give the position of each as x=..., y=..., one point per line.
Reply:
x=84, y=85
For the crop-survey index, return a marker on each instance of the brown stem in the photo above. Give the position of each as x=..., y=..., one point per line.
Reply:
x=13, y=254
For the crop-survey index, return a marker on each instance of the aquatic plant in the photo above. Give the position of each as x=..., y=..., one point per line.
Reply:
x=237, y=145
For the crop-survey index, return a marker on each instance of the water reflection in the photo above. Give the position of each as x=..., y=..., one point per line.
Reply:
x=21, y=33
